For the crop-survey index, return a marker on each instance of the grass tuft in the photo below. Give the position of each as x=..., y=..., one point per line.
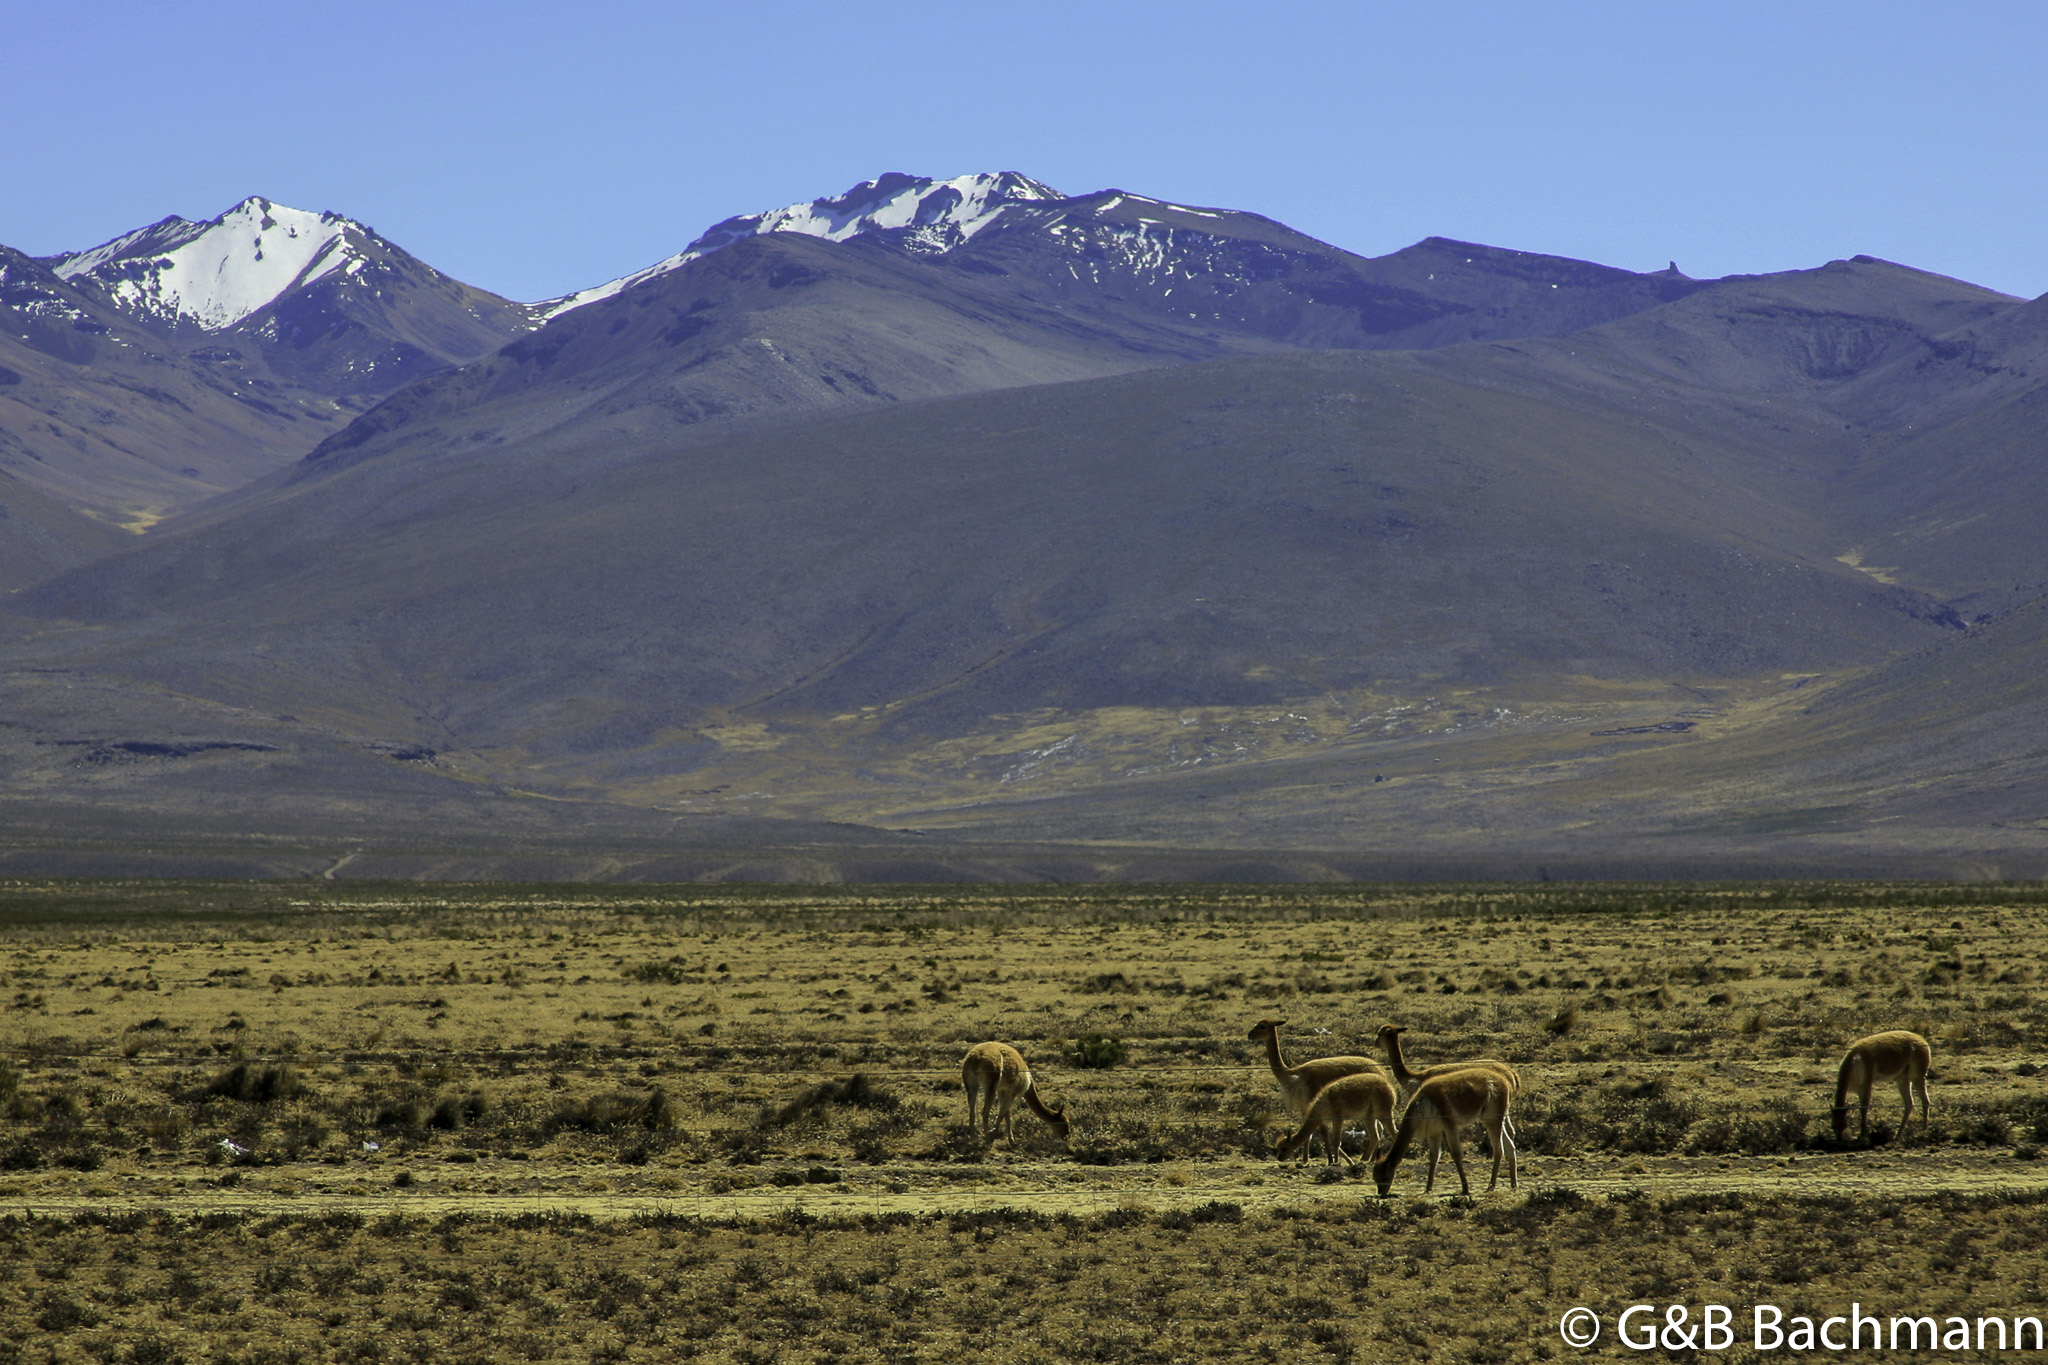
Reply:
x=615, y=1110
x=1099, y=1051
x=858, y=1091
x=253, y=1084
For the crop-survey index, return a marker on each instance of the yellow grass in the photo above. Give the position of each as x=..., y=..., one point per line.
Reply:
x=740, y=1097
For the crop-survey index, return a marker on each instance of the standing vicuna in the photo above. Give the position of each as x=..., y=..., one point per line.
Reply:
x=1389, y=1037
x=1299, y=1085
x=996, y=1077
x=1443, y=1105
x=1897, y=1055
x=1361, y=1095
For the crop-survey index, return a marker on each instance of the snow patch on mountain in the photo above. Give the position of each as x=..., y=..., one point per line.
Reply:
x=930, y=216
x=25, y=288
x=214, y=274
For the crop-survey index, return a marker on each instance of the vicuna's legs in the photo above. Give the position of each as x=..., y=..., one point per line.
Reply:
x=1503, y=1145
x=1333, y=1138
x=1503, y=1137
x=1436, y=1150
x=1908, y=1084
x=1365, y=1097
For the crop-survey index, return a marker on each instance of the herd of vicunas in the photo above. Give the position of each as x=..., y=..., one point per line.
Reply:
x=1328, y=1093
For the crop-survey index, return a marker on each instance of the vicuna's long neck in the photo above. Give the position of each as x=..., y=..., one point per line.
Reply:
x=1280, y=1067
x=1038, y=1106
x=1844, y=1079
x=1298, y=1139
x=1404, y=1137
x=1397, y=1061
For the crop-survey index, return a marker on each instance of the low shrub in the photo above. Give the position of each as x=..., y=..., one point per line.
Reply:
x=1776, y=1125
x=614, y=1110
x=257, y=1085
x=452, y=1112
x=671, y=972
x=869, y=1140
x=22, y=1156
x=1099, y=1051
x=86, y=1158
x=858, y=1091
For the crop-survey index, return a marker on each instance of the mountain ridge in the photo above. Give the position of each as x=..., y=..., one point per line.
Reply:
x=211, y=275
x=1119, y=522
x=1087, y=282
x=180, y=360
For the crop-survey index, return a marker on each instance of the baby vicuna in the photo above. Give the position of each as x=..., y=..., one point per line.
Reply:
x=1360, y=1096
x=1443, y=1105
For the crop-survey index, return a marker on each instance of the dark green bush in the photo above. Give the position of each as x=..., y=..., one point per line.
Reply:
x=1777, y=1125
x=1099, y=1051
x=257, y=1085
x=87, y=1158
x=617, y=1109
x=858, y=1091
x=452, y=1112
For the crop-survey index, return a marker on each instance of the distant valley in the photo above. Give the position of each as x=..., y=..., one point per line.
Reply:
x=964, y=529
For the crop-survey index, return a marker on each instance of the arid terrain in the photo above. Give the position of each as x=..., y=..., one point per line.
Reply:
x=1087, y=537
x=342, y=1121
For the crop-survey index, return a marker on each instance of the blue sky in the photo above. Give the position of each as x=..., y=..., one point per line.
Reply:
x=536, y=148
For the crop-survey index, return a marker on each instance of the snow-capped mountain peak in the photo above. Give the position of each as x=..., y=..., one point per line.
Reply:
x=216, y=273
x=938, y=214
x=931, y=216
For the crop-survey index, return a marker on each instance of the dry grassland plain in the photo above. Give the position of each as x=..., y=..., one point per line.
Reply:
x=373, y=1123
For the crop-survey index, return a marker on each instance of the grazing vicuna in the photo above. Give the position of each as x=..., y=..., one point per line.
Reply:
x=1299, y=1085
x=996, y=1078
x=1389, y=1037
x=1358, y=1096
x=1443, y=1105
x=1896, y=1055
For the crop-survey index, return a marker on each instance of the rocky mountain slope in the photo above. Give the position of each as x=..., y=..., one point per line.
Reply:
x=183, y=360
x=39, y=536
x=107, y=417
x=322, y=299
x=968, y=508
x=906, y=288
